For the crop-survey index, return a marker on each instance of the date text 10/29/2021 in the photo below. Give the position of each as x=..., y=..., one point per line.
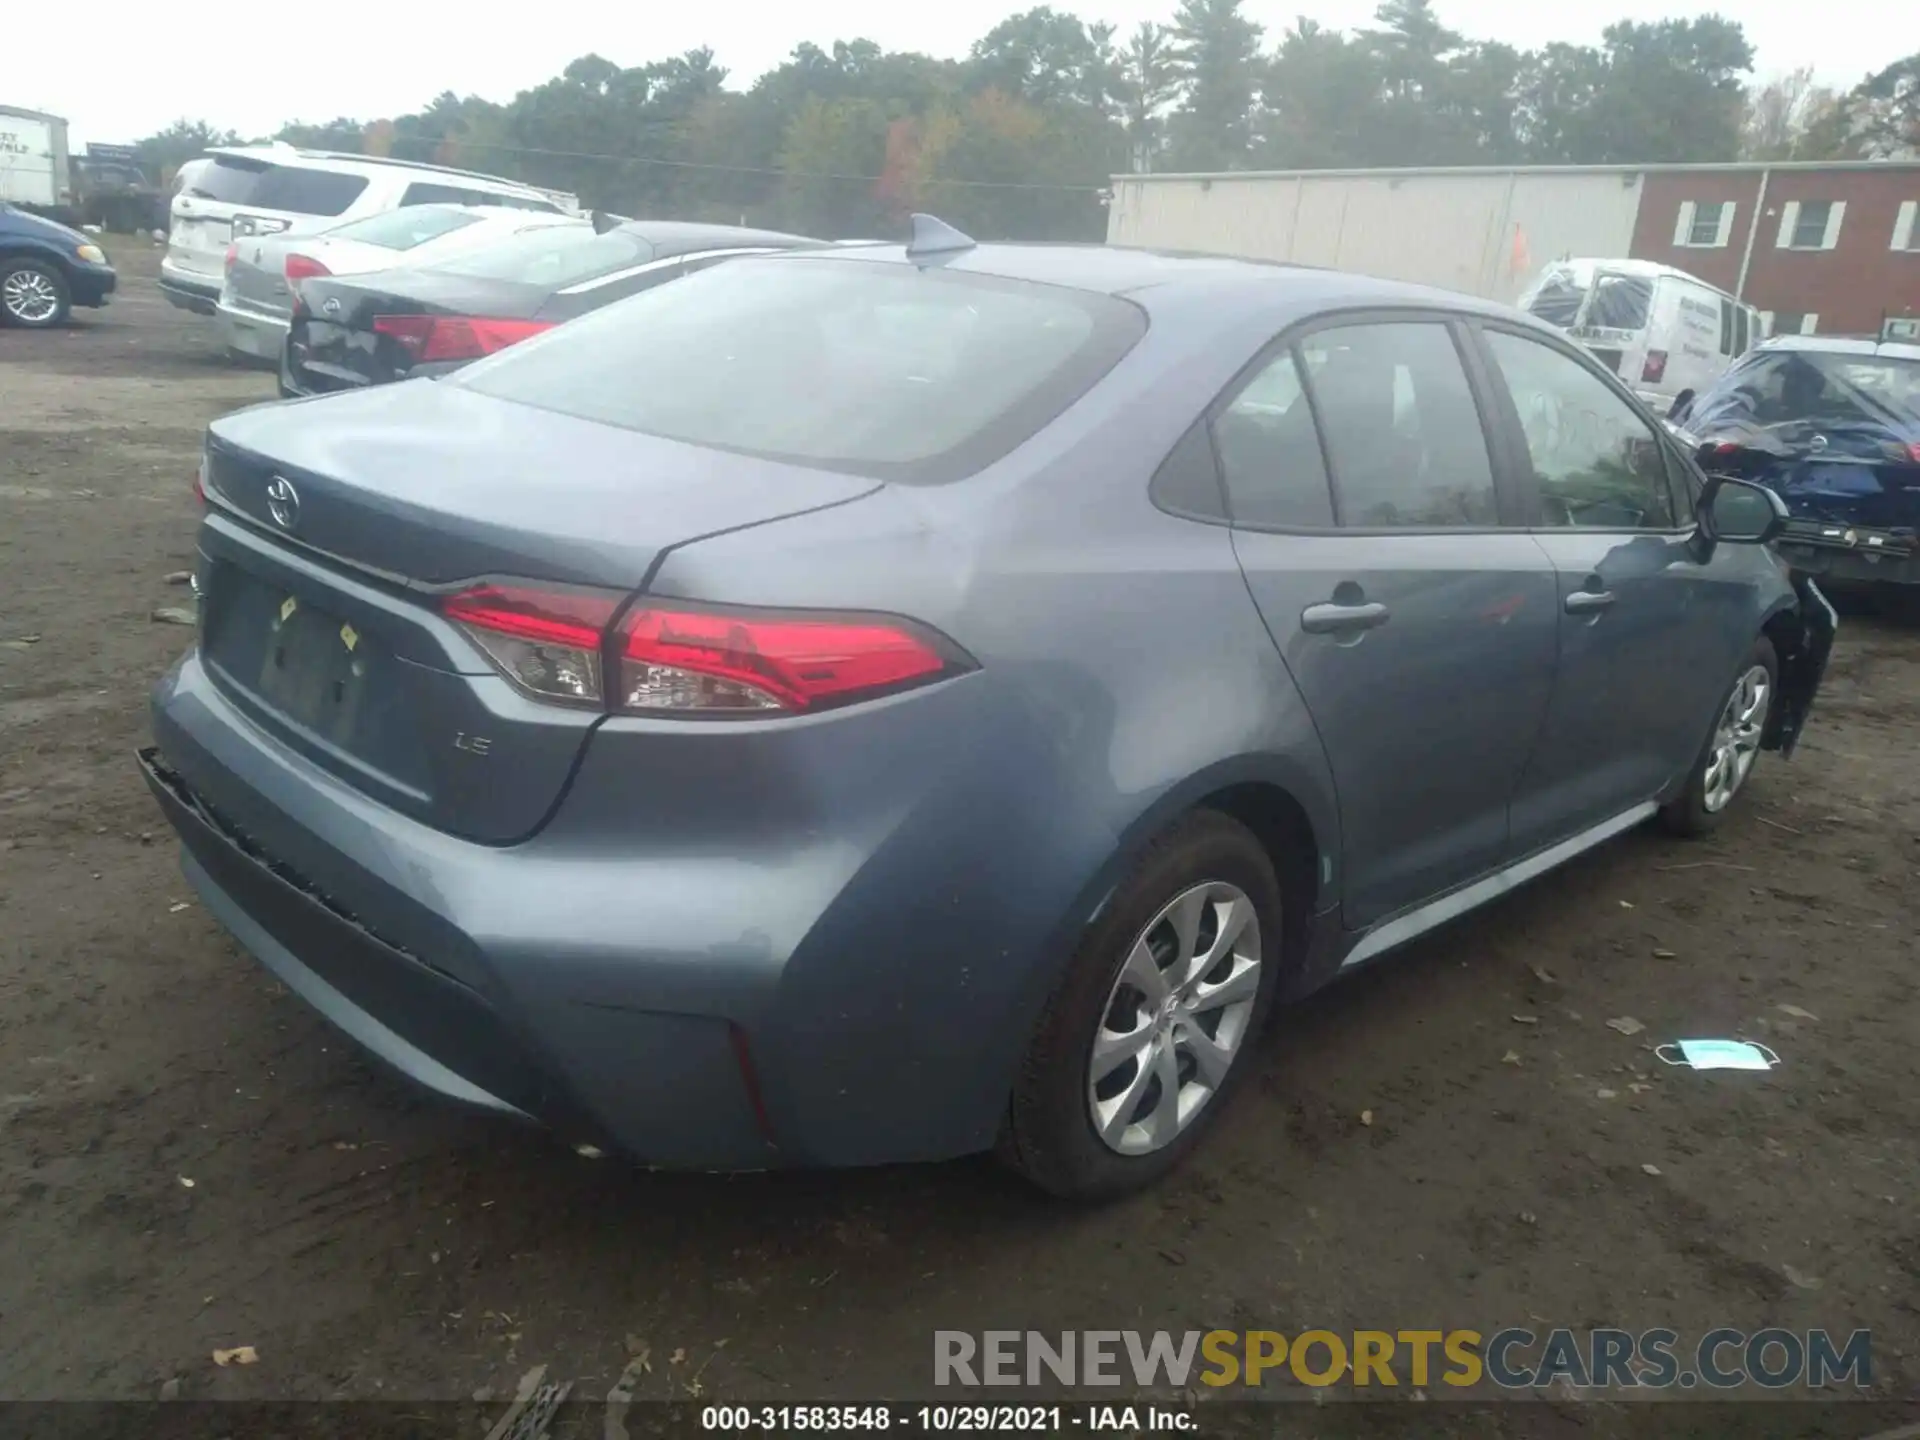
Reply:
x=946, y=1419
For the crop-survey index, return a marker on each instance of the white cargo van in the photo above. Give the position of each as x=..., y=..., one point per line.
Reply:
x=1660, y=330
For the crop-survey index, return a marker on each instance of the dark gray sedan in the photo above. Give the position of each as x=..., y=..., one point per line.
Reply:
x=883, y=703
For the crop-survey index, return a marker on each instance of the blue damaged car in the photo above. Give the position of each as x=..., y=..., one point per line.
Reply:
x=1832, y=425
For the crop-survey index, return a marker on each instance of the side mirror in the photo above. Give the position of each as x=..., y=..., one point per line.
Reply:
x=1740, y=512
x=1682, y=403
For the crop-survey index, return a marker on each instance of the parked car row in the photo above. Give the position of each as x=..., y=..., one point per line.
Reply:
x=863, y=703
x=241, y=193
x=446, y=304
x=257, y=290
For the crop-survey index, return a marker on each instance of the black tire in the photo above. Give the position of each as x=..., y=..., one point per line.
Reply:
x=1688, y=812
x=43, y=275
x=1049, y=1135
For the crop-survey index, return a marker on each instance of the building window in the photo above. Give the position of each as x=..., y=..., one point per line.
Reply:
x=1905, y=234
x=1810, y=224
x=1704, y=224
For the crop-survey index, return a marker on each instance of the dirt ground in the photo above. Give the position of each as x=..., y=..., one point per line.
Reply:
x=189, y=1159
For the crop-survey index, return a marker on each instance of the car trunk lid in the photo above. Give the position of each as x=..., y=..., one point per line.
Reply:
x=197, y=241
x=335, y=345
x=333, y=542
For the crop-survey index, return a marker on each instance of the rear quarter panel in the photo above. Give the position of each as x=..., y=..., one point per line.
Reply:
x=1124, y=675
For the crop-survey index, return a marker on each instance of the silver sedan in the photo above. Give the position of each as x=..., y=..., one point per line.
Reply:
x=256, y=295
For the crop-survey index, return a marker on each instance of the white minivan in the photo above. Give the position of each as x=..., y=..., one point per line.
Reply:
x=244, y=191
x=1659, y=329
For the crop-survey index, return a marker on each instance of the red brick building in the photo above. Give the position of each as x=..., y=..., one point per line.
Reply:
x=1827, y=249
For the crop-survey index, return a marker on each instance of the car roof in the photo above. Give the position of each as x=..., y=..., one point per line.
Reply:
x=293, y=157
x=1157, y=279
x=1844, y=345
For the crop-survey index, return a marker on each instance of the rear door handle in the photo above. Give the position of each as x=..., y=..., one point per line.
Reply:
x=1588, y=602
x=1331, y=619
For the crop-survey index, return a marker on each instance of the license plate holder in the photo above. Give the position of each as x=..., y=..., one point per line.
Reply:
x=315, y=669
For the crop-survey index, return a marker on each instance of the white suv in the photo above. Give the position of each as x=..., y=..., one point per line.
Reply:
x=260, y=190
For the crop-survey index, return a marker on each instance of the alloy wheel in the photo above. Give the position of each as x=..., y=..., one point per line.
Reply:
x=30, y=297
x=1736, y=739
x=1175, y=1019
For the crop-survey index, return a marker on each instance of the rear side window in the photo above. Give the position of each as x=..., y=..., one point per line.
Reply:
x=1598, y=464
x=404, y=229
x=873, y=369
x=427, y=193
x=1403, y=434
x=552, y=257
x=1270, y=452
x=258, y=185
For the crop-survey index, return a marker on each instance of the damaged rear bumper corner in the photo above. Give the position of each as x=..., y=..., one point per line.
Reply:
x=1803, y=663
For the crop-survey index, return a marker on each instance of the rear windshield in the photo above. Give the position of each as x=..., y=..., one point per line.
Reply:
x=553, y=257
x=874, y=369
x=1782, y=389
x=404, y=229
x=259, y=185
x=1573, y=297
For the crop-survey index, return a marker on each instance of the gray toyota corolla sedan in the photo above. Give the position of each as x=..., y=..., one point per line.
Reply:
x=889, y=703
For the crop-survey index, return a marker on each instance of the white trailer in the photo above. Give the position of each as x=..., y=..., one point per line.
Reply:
x=35, y=169
x=1485, y=232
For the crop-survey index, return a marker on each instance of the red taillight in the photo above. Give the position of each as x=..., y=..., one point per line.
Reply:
x=545, y=642
x=1654, y=368
x=454, y=337
x=701, y=660
x=304, y=267
x=1913, y=452
x=686, y=661
x=233, y=254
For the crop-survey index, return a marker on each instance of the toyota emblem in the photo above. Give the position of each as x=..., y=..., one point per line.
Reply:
x=283, y=502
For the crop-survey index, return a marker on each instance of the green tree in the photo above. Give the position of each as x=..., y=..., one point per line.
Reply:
x=163, y=153
x=1320, y=99
x=1046, y=57
x=1217, y=50
x=831, y=156
x=1416, y=119
x=1001, y=167
x=341, y=134
x=1146, y=83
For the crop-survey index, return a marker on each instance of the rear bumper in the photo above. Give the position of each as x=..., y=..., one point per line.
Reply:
x=762, y=998
x=261, y=336
x=679, y=1099
x=189, y=291
x=1851, y=553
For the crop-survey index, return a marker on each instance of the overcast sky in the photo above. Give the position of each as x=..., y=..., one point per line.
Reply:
x=130, y=68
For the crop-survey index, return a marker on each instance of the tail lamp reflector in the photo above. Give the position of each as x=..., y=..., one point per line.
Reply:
x=454, y=337
x=690, y=661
